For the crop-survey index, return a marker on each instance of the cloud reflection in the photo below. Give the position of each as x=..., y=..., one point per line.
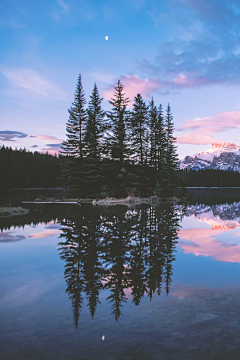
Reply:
x=203, y=242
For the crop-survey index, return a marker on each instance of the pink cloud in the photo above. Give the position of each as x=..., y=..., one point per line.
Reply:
x=219, y=122
x=203, y=129
x=47, y=138
x=52, y=147
x=202, y=242
x=45, y=234
x=185, y=81
x=197, y=138
x=32, y=81
x=135, y=85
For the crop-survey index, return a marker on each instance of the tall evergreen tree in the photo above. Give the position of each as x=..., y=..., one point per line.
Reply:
x=152, y=123
x=160, y=135
x=138, y=128
x=95, y=125
x=169, y=175
x=119, y=117
x=74, y=145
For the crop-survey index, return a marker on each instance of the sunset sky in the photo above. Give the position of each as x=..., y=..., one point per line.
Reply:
x=185, y=52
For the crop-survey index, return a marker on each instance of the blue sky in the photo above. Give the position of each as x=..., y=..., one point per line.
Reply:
x=185, y=52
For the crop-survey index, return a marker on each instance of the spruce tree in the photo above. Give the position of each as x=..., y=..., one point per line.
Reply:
x=169, y=175
x=138, y=128
x=152, y=122
x=73, y=147
x=119, y=117
x=160, y=135
x=95, y=125
x=93, y=145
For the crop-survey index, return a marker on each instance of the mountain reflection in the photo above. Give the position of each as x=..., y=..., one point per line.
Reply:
x=223, y=216
x=205, y=241
x=119, y=250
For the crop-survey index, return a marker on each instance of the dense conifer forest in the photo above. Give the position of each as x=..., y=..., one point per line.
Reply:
x=211, y=177
x=24, y=169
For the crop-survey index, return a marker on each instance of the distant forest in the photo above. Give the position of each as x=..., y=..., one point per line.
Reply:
x=211, y=177
x=24, y=169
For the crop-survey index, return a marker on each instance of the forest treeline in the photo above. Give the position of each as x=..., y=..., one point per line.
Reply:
x=120, y=150
x=24, y=169
x=211, y=177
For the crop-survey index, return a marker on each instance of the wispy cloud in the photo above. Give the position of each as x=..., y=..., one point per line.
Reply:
x=11, y=135
x=63, y=5
x=10, y=236
x=202, y=130
x=205, y=47
x=62, y=8
x=52, y=145
x=47, y=138
x=32, y=81
x=45, y=234
x=134, y=85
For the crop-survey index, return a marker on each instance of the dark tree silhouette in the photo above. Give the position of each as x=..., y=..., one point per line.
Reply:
x=119, y=117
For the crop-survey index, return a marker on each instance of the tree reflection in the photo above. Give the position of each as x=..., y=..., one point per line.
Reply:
x=80, y=251
x=115, y=249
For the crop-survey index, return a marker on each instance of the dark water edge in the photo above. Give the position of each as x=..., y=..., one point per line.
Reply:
x=16, y=196
x=207, y=196
x=213, y=196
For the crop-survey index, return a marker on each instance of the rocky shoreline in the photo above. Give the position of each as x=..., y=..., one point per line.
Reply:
x=152, y=200
x=8, y=211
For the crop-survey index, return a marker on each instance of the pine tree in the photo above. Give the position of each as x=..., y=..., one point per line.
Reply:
x=93, y=145
x=74, y=145
x=160, y=135
x=169, y=175
x=138, y=128
x=95, y=125
x=119, y=117
x=152, y=123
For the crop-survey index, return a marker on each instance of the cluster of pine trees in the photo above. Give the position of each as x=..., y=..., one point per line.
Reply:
x=119, y=150
x=211, y=177
x=24, y=169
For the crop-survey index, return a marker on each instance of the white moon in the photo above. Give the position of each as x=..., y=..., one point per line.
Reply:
x=106, y=37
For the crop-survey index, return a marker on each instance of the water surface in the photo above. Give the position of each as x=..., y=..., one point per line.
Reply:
x=87, y=282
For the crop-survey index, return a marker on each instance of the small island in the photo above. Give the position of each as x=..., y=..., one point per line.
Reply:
x=119, y=154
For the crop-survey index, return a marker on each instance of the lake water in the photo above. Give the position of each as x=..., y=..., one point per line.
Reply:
x=91, y=282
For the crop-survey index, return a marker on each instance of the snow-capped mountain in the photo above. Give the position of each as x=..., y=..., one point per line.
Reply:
x=225, y=156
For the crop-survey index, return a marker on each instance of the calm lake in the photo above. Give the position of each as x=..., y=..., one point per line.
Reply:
x=106, y=283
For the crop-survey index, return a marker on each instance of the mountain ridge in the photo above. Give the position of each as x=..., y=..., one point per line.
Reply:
x=220, y=156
